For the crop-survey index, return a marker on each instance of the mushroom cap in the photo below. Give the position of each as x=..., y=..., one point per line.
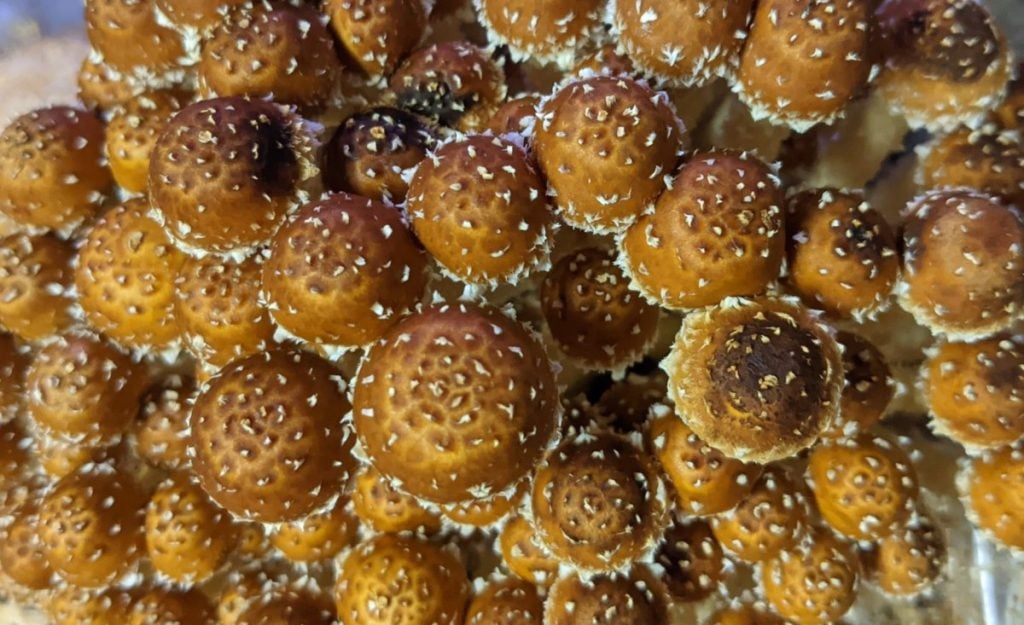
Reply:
x=100, y=87
x=486, y=513
x=909, y=561
x=15, y=455
x=130, y=37
x=718, y=231
x=963, y=263
x=605, y=145
x=1010, y=114
x=22, y=553
x=161, y=428
x=548, y=32
x=200, y=15
x=224, y=172
x=841, y=253
x=266, y=438
x=992, y=489
x=506, y=602
x=14, y=362
x=288, y=608
x=348, y=255
x=515, y=116
x=378, y=34
x=988, y=159
x=635, y=599
x=35, y=273
x=384, y=509
x=705, y=480
x=133, y=130
x=171, y=606
x=318, y=537
x=51, y=165
x=868, y=386
x=687, y=42
x=478, y=205
x=758, y=379
x=125, y=277
x=744, y=614
x=768, y=521
x=630, y=403
x=456, y=402
x=693, y=561
x=598, y=503
x=975, y=391
x=252, y=541
x=70, y=605
x=864, y=487
x=395, y=579
x=606, y=60
x=523, y=555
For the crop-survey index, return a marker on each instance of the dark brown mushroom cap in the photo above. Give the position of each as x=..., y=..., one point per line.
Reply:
x=507, y=602
x=910, y=560
x=513, y=117
x=693, y=561
x=70, y=605
x=171, y=606
x=635, y=599
x=129, y=36
x=377, y=34
x=288, y=608
x=35, y=276
x=628, y=404
x=544, y=32
x=988, y=159
x=161, y=429
x=133, y=130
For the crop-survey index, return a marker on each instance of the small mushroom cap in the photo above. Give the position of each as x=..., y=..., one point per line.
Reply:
x=515, y=116
x=693, y=561
x=22, y=553
x=507, y=602
x=130, y=37
x=868, y=387
x=606, y=60
x=70, y=605
x=744, y=614
x=768, y=521
x=992, y=487
x=35, y=275
x=909, y=561
x=51, y=168
x=486, y=513
x=718, y=231
x=758, y=380
x=133, y=130
x=1010, y=114
x=394, y=579
x=318, y=537
x=288, y=608
x=59, y=457
x=14, y=361
x=100, y=87
x=377, y=34
x=200, y=15
x=384, y=509
x=988, y=159
x=171, y=606
x=15, y=454
x=628, y=404
x=523, y=555
x=634, y=599
x=547, y=32
x=963, y=263
x=160, y=430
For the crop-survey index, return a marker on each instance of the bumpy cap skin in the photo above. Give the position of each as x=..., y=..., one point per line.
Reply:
x=15, y=455
x=125, y=278
x=478, y=205
x=769, y=520
x=598, y=503
x=14, y=361
x=486, y=513
x=384, y=509
x=992, y=488
x=132, y=132
x=287, y=608
x=1010, y=114
x=160, y=430
x=130, y=38
x=352, y=256
x=963, y=263
x=693, y=561
x=198, y=15
x=76, y=606
x=605, y=145
x=100, y=88
x=507, y=602
x=744, y=614
x=224, y=173
x=687, y=43
x=946, y=62
x=84, y=389
x=377, y=34
x=868, y=386
x=455, y=84
x=35, y=273
x=759, y=379
x=171, y=606
x=266, y=438
x=841, y=253
x=51, y=168
x=628, y=404
x=705, y=480
x=546, y=32
x=515, y=115
x=717, y=232
x=814, y=583
x=975, y=391
x=285, y=52
x=805, y=60
x=988, y=159
x=319, y=536
x=393, y=579
x=908, y=562
x=863, y=487
x=22, y=553
x=524, y=555
x=371, y=151
x=634, y=599
x=456, y=402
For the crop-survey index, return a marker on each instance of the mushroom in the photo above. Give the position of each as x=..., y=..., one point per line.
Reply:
x=506, y=602
x=171, y=606
x=523, y=555
x=288, y=607
x=14, y=360
x=485, y=513
x=319, y=536
x=908, y=562
x=35, y=281
x=549, y=32
x=22, y=552
x=693, y=561
x=160, y=430
x=132, y=132
x=382, y=508
x=636, y=598
x=991, y=487
x=378, y=34
x=198, y=16
x=869, y=387
x=129, y=37
x=516, y=116
x=987, y=159
x=768, y=521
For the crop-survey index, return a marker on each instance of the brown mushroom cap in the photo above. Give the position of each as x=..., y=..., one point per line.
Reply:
x=171, y=606
x=759, y=379
x=988, y=159
x=963, y=263
x=377, y=33
x=628, y=404
x=1010, y=114
x=605, y=145
x=51, y=167
x=515, y=116
x=100, y=87
x=266, y=438
x=523, y=554
x=14, y=361
x=384, y=509
x=59, y=457
x=318, y=537
x=718, y=231
x=348, y=255
x=455, y=403
x=689, y=42
x=768, y=521
x=393, y=579
x=35, y=273
x=909, y=561
x=161, y=435
x=693, y=561
x=635, y=599
x=744, y=614
x=544, y=32
x=130, y=38
x=841, y=253
x=288, y=608
x=199, y=15
x=71, y=605
x=485, y=513
x=15, y=454
x=133, y=130
x=868, y=386
x=22, y=553
x=992, y=489
x=507, y=602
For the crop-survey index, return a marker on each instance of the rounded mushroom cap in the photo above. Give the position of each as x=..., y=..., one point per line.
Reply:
x=456, y=403
x=84, y=389
x=946, y=63
x=628, y=404
x=51, y=166
x=252, y=541
x=199, y=15
x=963, y=263
x=544, y=32
x=70, y=605
x=634, y=599
x=318, y=537
x=768, y=521
x=975, y=391
x=693, y=561
x=841, y=253
x=909, y=561
x=992, y=488
x=224, y=172
x=386, y=510
x=988, y=159
x=523, y=555
x=100, y=87
x=454, y=83
x=507, y=602
x=91, y=525
x=705, y=480
x=161, y=429
x=266, y=438
x=868, y=386
x=516, y=116
x=14, y=362
x=606, y=60
x=15, y=454
x=352, y=256
x=803, y=62
x=283, y=51
x=759, y=379
x=718, y=231
x=370, y=152
x=605, y=145
x=864, y=487
x=125, y=278
x=598, y=503
x=133, y=130
x=744, y=614
x=171, y=606
x=394, y=579
x=486, y=513
x=815, y=582
x=288, y=608
x=129, y=36
x=478, y=205
x=592, y=315
x=22, y=553
x=35, y=273
x=1010, y=114
x=713, y=32
x=377, y=33
x=187, y=537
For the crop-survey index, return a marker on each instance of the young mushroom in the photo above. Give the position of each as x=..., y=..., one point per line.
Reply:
x=693, y=562
x=992, y=490
x=868, y=387
x=378, y=34
x=129, y=37
x=549, y=32
x=987, y=159
x=769, y=520
x=319, y=536
x=908, y=562
x=506, y=602
x=133, y=130
x=523, y=555
x=637, y=598
x=35, y=280
x=160, y=430
x=383, y=509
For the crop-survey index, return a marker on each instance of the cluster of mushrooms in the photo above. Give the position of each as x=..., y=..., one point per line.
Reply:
x=509, y=312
